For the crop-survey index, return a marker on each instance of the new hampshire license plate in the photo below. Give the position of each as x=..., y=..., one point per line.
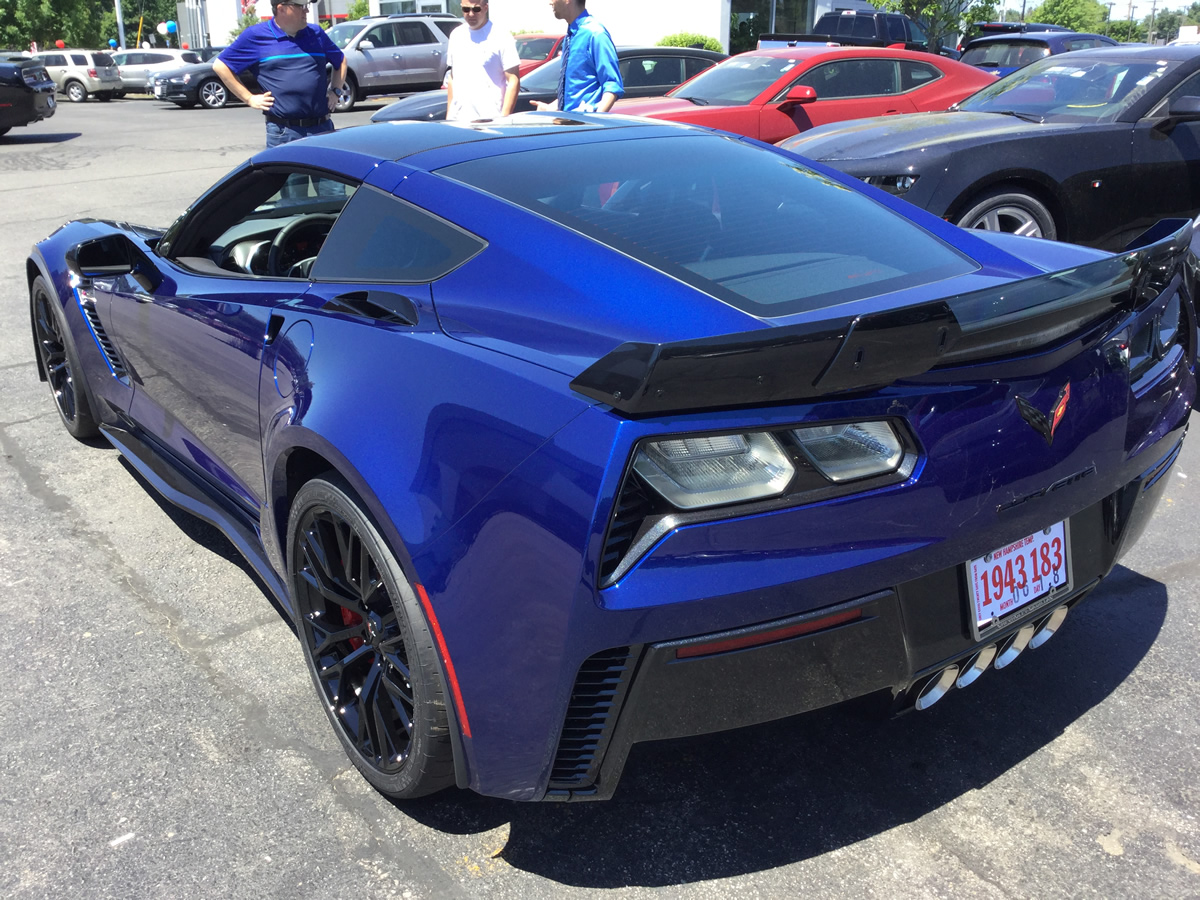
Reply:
x=1031, y=571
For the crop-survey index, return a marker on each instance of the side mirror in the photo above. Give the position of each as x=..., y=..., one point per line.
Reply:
x=111, y=256
x=800, y=93
x=1185, y=109
x=365, y=45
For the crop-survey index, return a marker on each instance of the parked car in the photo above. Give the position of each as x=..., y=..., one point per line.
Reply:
x=551, y=436
x=646, y=71
x=1003, y=54
x=773, y=94
x=1090, y=147
x=82, y=73
x=387, y=54
x=536, y=49
x=195, y=84
x=858, y=28
x=979, y=29
x=137, y=66
x=26, y=91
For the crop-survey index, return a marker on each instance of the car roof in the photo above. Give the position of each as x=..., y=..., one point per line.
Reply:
x=1129, y=51
x=1042, y=37
x=820, y=49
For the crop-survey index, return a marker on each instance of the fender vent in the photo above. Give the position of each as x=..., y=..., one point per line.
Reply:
x=108, y=349
x=634, y=504
x=599, y=690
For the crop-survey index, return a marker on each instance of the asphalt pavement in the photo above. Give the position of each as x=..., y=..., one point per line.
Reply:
x=160, y=736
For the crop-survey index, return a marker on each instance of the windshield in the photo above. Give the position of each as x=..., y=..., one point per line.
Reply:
x=736, y=81
x=344, y=33
x=1065, y=88
x=534, y=48
x=544, y=77
x=1005, y=54
x=756, y=229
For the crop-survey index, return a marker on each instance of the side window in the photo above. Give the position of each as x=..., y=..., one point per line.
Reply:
x=915, y=74
x=447, y=27
x=864, y=26
x=412, y=33
x=852, y=78
x=79, y=59
x=153, y=59
x=1189, y=88
x=651, y=71
x=266, y=222
x=917, y=35
x=895, y=30
x=55, y=59
x=380, y=238
x=693, y=66
x=381, y=36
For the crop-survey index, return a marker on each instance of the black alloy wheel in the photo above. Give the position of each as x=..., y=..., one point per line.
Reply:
x=368, y=649
x=60, y=364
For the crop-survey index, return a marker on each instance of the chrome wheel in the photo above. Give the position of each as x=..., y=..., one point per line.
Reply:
x=213, y=95
x=1010, y=211
x=76, y=92
x=1010, y=219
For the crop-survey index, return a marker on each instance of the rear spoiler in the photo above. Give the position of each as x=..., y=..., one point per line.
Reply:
x=802, y=362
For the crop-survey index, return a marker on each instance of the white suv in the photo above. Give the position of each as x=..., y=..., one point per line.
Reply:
x=138, y=65
x=388, y=54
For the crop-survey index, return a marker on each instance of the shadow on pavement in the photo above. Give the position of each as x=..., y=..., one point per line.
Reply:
x=751, y=800
x=35, y=137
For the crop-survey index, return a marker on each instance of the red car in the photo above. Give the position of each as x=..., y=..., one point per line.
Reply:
x=536, y=49
x=773, y=94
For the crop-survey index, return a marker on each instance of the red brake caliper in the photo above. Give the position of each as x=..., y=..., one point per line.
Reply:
x=352, y=618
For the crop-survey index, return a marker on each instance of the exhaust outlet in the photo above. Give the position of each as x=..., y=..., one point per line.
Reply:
x=976, y=666
x=1011, y=646
x=935, y=688
x=1047, y=627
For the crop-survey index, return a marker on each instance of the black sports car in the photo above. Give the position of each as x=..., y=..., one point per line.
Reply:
x=646, y=71
x=26, y=91
x=1091, y=147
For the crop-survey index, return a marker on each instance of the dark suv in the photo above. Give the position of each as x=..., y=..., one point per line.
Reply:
x=389, y=54
x=26, y=91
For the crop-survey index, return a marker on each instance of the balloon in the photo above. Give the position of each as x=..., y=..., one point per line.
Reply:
x=145, y=45
x=185, y=46
x=161, y=27
x=60, y=43
x=172, y=27
x=112, y=43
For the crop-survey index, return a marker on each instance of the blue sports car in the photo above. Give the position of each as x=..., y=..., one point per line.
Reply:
x=554, y=435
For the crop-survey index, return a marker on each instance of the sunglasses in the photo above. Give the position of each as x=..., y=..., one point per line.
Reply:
x=472, y=9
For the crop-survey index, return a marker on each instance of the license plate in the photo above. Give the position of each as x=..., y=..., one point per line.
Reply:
x=1024, y=575
x=158, y=90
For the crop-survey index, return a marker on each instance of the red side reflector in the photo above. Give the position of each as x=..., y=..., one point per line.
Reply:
x=743, y=641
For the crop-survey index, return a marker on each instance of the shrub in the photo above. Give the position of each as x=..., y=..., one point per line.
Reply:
x=690, y=39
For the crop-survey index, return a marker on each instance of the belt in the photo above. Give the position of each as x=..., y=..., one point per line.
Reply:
x=297, y=123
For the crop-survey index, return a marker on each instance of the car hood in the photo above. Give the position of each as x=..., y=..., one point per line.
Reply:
x=423, y=106
x=654, y=106
x=187, y=69
x=930, y=132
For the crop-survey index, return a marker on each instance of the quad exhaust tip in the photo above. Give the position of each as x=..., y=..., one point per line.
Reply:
x=937, y=687
x=1047, y=627
x=1013, y=645
x=976, y=666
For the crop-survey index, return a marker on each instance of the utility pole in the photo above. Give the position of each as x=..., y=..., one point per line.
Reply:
x=1150, y=30
x=120, y=24
x=1129, y=27
x=1108, y=18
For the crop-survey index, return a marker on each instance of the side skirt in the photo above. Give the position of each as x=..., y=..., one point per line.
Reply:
x=188, y=493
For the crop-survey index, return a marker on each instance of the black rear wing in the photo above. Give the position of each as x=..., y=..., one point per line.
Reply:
x=802, y=362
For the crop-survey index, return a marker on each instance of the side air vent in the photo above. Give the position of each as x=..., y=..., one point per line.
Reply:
x=599, y=690
x=633, y=506
x=109, y=350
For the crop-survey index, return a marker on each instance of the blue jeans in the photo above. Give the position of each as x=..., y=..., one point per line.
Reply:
x=282, y=134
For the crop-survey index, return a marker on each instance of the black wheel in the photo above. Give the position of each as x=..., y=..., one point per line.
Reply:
x=1012, y=211
x=120, y=95
x=75, y=92
x=185, y=104
x=105, y=96
x=5, y=130
x=348, y=96
x=212, y=93
x=60, y=363
x=368, y=649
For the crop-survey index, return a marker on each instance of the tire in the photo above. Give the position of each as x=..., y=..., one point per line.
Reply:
x=185, y=104
x=105, y=96
x=120, y=95
x=1011, y=211
x=68, y=384
x=75, y=92
x=374, y=665
x=212, y=93
x=5, y=130
x=348, y=97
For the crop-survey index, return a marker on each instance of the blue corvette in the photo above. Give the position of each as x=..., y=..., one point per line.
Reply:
x=556, y=435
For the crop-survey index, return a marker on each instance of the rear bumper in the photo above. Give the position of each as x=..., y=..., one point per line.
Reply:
x=894, y=640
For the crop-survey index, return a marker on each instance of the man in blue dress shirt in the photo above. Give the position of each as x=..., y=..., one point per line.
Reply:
x=287, y=56
x=590, y=80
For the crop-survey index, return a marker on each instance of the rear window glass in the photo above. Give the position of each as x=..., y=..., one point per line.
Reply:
x=102, y=59
x=761, y=232
x=1005, y=54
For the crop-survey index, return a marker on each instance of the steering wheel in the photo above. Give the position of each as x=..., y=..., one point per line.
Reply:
x=279, y=263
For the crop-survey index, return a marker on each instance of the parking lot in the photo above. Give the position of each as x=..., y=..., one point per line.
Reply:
x=161, y=736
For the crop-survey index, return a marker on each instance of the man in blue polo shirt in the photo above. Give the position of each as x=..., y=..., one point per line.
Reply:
x=590, y=80
x=287, y=56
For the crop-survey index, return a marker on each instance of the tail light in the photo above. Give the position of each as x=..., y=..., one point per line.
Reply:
x=91, y=73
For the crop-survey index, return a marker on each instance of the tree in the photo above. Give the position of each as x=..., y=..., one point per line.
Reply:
x=690, y=39
x=359, y=9
x=1166, y=25
x=148, y=14
x=1121, y=30
x=249, y=17
x=75, y=22
x=1078, y=15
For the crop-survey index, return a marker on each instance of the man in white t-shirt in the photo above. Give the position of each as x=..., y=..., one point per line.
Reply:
x=482, y=60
